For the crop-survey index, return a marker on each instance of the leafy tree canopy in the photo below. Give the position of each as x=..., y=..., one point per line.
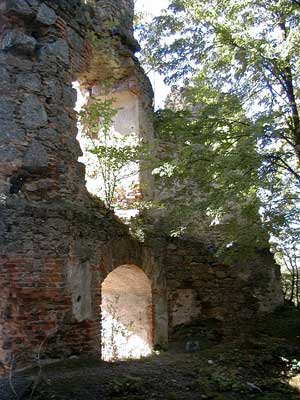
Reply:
x=237, y=120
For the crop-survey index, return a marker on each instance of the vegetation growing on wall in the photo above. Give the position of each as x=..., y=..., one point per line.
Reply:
x=114, y=152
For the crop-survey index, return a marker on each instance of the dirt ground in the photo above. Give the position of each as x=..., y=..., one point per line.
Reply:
x=262, y=366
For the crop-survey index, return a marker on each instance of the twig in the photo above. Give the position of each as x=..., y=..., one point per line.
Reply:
x=10, y=378
x=38, y=358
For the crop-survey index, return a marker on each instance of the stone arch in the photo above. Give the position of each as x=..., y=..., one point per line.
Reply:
x=127, y=314
x=130, y=252
x=85, y=280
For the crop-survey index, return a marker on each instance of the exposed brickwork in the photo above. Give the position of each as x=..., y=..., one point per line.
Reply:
x=57, y=244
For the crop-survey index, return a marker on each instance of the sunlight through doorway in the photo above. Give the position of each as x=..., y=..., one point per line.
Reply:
x=127, y=322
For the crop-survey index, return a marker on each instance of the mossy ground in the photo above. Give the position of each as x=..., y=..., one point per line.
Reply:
x=263, y=366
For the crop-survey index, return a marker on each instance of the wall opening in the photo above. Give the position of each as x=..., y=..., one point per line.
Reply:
x=127, y=314
x=104, y=173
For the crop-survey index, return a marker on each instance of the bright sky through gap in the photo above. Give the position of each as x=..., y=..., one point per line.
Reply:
x=151, y=6
x=154, y=7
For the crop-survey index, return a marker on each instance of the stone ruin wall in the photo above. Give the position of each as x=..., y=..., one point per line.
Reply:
x=132, y=98
x=57, y=243
x=199, y=287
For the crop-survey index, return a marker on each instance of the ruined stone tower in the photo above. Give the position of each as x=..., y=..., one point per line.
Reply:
x=57, y=243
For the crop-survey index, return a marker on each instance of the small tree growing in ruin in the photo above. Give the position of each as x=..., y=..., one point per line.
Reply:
x=115, y=153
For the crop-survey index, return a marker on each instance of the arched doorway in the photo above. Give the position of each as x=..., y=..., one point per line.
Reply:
x=127, y=321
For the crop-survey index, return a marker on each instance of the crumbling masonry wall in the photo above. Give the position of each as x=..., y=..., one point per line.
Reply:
x=202, y=288
x=57, y=242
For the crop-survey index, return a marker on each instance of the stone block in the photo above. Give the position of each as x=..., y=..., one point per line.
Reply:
x=48, y=134
x=33, y=112
x=7, y=108
x=33, y=3
x=42, y=184
x=5, y=77
x=58, y=50
x=9, y=131
x=52, y=89
x=8, y=154
x=18, y=41
x=75, y=41
x=46, y=15
x=30, y=82
x=221, y=274
x=18, y=7
x=69, y=96
x=36, y=157
x=79, y=280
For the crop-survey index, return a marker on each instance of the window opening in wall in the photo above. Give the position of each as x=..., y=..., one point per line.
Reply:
x=127, y=322
x=108, y=135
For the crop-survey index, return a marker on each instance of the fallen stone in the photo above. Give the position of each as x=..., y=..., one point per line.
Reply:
x=171, y=246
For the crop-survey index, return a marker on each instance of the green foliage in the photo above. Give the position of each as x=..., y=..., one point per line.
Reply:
x=126, y=386
x=247, y=49
x=216, y=166
x=172, y=396
x=98, y=115
x=236, y=121
x=113, y=151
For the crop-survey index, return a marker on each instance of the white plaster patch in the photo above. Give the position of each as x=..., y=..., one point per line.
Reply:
x=80, y=278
